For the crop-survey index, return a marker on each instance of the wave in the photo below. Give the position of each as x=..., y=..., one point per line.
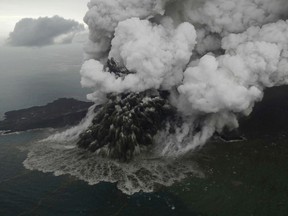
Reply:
x=144, y=173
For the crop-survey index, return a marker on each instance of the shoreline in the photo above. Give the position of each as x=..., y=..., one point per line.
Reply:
x=57, y=114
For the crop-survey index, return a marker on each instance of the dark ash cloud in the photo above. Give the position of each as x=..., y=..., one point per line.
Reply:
x=44, y=31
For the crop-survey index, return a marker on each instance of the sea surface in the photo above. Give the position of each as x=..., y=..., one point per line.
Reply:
x=25, y=192
x=35, y=76
x=237, y=179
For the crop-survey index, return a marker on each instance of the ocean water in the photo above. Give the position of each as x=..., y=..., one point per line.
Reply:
x=35, y=76
x=51, y=179
x=25, y=192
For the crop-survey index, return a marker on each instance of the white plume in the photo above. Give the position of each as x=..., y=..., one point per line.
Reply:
x=229, y=16
x=103, y=17
x=219, y=54
x=157, y=53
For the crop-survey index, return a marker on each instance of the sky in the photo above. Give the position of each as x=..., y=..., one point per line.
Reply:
x=35, y=75
x=11, y=11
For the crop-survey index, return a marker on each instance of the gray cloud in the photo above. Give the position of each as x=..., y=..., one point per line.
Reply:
x=44, y=31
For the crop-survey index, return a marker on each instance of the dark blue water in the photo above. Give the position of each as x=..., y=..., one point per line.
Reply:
x=24, y=192
x=32, y=77
x=245, y=178
x=35, y=76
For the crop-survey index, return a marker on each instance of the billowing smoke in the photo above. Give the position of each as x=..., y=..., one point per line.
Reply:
x=44, y=31
x=215, y=57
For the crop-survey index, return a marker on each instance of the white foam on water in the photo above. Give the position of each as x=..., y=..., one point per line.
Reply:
x=59, y=154
x=144, y=173
x=74, y=132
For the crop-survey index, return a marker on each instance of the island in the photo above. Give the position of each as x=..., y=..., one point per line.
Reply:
x=57, y=114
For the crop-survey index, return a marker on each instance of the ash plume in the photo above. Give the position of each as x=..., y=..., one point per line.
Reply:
x=214, y=57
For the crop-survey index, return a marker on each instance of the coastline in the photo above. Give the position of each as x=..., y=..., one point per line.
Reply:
x=57, y=114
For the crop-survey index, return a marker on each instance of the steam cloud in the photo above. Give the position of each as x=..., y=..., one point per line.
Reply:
x=215, y=56
x=44, y=31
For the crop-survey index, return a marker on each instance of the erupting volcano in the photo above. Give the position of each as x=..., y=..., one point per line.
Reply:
x=165, y=76
x=213, y=59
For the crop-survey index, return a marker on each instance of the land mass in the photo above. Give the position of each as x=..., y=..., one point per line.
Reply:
x=59, y=113
x=268, y=116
